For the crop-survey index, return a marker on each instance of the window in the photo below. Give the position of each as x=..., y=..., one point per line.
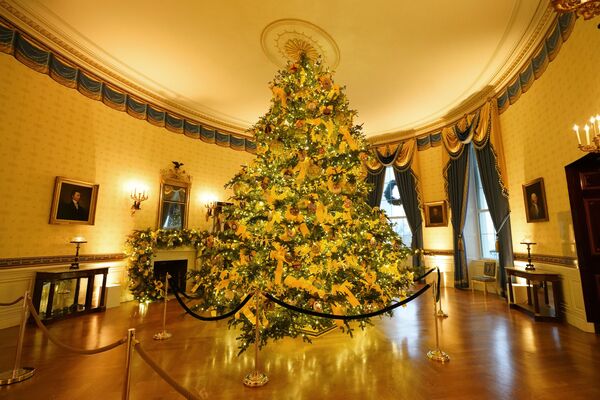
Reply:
x=392, y=205
x=487, y=233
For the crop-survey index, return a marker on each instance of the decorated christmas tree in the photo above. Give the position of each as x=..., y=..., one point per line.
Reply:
x=299, y=227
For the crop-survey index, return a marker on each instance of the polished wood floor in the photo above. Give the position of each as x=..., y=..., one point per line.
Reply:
x=496, y=353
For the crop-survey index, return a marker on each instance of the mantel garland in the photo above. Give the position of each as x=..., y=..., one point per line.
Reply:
x=141, y=247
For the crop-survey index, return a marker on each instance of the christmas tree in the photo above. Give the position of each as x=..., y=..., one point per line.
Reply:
x=299, y=227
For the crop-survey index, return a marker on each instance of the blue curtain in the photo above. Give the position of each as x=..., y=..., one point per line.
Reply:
x=407, y=187
x=497, y=201
x=458, y=186
x=376, y=179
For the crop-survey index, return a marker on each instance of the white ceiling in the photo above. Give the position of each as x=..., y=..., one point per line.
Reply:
x=406, y=64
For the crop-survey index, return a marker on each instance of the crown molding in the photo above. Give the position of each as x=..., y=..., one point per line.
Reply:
x=51, y=38
x=531, y=41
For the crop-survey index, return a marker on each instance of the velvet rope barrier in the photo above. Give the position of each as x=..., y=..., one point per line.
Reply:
x=216, y=318
x=178, y=294
x=161, y=372
x=437, y=296
x=46, y=332
x=417, y=279
x=12, y=302
x=348, y=317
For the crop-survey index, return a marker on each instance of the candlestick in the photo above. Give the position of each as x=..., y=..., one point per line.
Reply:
x=576, y=129
x=586, y=128
x=529, y=266
x=78, y=240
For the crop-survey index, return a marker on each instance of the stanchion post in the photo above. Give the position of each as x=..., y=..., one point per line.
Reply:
x=130, y=346
x=18, y=373
x=437, y=354
x=256, y=378
x=163, y=335
x=439, y=312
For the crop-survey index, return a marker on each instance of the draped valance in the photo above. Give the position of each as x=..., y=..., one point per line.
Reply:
x=536, y=65
x=399, y=155
x=479, y=128
x=37, y=57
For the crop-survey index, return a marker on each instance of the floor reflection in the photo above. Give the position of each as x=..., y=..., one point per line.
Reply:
x=496, y=353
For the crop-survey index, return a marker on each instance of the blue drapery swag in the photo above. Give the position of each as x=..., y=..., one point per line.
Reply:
x=477, y=129
x=400, y=158
x=457, y=187
x=40, y=59
x=376, y=179
x=407, y=183
x=498, y=206
x=37, y=57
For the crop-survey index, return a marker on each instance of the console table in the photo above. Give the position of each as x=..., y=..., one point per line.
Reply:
x=63, y=292
x=536, y=280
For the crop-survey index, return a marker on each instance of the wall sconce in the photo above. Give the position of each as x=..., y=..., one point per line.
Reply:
x=592, y=144
x=78, y=240
x=137, y=198
x=211, y=206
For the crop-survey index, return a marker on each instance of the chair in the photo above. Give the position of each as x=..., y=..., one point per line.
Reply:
x=489, y=276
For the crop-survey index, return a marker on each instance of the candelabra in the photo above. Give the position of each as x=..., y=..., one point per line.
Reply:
x=592, y=142
x=137, y=198
x=78, y=242
x=585, y=8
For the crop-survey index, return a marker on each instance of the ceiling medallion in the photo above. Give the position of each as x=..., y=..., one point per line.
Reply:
x=285, y=39
x=295, y=47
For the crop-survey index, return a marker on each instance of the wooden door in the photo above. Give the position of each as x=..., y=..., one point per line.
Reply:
x=583, y=181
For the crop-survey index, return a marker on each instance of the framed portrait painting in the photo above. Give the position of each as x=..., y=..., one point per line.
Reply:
x=436, y=214
x=534, y=196
x=74, y=202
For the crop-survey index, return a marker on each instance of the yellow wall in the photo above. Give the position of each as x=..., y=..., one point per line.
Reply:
x=431, y=166
x=48, y=130
x=538, y=138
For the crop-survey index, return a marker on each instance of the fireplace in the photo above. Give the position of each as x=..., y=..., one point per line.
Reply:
x=176, y=268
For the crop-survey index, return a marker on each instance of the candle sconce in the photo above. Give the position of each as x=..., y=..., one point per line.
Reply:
x=137, y=198
x=592, y=135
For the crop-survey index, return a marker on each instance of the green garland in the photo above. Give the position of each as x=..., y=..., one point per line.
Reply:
x=141, y=247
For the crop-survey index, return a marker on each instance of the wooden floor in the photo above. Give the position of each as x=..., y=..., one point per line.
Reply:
x=496, y=353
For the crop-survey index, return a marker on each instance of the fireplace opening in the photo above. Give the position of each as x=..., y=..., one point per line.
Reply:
x=176, y=268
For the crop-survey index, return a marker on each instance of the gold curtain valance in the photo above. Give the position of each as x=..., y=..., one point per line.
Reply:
x=399, y=155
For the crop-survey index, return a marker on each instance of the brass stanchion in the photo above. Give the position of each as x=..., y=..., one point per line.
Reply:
x=130, y=345
x=256, y=378
x=18, y=373
x=439, y=312
x=163, y=335
x=437, y=354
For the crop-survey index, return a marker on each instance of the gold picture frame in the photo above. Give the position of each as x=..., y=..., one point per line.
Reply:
x=73, y=202
x=436, y=214
x=534, y=197
x=174, y=201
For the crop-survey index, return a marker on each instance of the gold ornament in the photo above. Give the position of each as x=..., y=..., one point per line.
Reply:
x=325, y=81
x=317, y=306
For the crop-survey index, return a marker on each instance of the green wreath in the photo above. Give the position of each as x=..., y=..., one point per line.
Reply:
x=140, y=249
